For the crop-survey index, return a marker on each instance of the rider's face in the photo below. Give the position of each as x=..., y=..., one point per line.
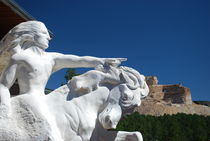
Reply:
x=42, y=38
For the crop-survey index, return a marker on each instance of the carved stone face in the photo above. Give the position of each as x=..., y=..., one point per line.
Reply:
x=29, y=32
x=42, y=37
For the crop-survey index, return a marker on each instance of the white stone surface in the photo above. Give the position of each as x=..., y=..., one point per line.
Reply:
x=77, y=117
x=79, y=111
x=31, y=65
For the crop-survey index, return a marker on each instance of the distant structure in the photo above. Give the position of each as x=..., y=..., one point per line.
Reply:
x=169, y=99
x=174, y=94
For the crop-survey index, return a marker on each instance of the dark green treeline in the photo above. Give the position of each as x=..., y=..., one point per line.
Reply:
x=179, y=127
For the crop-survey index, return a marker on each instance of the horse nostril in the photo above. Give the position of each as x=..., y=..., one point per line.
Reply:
x=107, y=119
x=125, y=96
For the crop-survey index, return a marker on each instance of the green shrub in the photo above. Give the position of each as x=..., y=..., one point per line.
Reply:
x=179, y=127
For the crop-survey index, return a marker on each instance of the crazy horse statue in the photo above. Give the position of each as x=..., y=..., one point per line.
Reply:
x=82, y=110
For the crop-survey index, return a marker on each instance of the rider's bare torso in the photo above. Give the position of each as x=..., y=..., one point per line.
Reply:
x=33, y=71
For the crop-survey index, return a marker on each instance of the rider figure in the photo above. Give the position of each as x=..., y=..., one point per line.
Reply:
x=31, y=65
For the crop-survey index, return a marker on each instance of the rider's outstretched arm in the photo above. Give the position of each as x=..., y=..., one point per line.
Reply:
x=73, y=61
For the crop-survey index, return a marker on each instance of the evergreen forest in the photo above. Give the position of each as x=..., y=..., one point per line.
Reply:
x=179, y=127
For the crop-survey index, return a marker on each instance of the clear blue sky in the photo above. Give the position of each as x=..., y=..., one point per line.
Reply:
x=166, y=38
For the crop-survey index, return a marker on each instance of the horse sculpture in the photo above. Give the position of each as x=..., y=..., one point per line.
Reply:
x=82, y=110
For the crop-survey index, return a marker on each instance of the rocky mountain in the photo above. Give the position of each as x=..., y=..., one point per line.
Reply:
x=169, y=99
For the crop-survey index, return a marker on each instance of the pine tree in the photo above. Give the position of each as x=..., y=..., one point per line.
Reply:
x=71, y=72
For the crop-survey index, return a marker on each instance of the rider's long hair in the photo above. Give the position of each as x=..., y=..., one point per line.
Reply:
x=21, y=35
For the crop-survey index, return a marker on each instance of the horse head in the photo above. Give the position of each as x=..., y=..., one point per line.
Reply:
x=124, y=97
x=126, y=89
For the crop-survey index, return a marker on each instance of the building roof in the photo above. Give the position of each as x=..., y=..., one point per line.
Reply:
x=12, y=14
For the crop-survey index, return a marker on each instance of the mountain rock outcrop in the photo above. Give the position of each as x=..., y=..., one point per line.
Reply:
x=169, y=99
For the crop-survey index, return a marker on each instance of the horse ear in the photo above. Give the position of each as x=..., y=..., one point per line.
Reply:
x=144, y=90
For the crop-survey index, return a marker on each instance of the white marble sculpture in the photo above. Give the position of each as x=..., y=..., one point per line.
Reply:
x=82, y=110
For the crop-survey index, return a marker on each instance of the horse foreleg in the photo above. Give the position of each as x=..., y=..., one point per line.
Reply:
x=123, y=136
